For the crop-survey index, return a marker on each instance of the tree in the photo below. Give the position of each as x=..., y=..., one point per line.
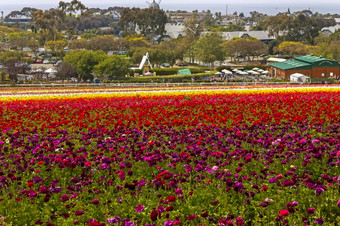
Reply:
x=78, y=44
x=113, y=66
x=292, y=48
x=72, y=8
x=19, y=39
x=66, y=71
x=15, y=63
x=244, y=46
x=149, y=22
x=34, y=46
x=52, y=20
x=300, y=27
x=84, y=61
x=57, y=45
x=208, y=49
x=192, y=28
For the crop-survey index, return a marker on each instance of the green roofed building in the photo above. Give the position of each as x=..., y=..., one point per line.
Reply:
x=309, y=65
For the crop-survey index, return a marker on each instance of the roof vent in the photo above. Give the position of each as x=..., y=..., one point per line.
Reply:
x=320, y=56
x=312, y=54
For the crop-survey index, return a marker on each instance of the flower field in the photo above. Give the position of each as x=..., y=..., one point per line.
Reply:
x=147, y=157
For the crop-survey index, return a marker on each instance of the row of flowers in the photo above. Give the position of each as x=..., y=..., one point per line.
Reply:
x=202, y=158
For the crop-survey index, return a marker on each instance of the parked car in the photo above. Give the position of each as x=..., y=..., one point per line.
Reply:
x=165, y=65
x=264, y=55
x=47, y=56
x=38, y=61
x=240, y=56
x=181, y=64
x=59, y=63
x=46, y=62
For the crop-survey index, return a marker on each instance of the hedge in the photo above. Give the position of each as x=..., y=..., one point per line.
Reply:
x=167, y=71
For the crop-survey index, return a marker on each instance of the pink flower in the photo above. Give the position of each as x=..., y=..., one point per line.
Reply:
x=284, y=213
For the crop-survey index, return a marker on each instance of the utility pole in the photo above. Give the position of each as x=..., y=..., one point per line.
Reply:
x=226, y=10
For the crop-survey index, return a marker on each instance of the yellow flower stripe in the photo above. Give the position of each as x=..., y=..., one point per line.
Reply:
x=173, y=92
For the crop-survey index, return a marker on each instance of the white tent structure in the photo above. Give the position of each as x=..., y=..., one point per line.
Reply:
x=265, y=72
x=218, y=73
x=242, y=72
x=50, y=70
x=299, y=78
x=274, y=59
x=227, y=71
x=253, y=72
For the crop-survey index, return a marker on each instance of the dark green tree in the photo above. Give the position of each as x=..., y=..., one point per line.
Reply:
x=84, y=61
x=208, y=49
x=113, y=66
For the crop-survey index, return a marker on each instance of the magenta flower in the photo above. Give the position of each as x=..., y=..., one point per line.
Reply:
x=239, y=221
x=318, y=221
x=191, y=217
x=168, y=223
x=198, y=167
x=139, y=208
x=79, y=213
x=95, y=201
x=319, y=190
x=64, y=198
x=310, y=211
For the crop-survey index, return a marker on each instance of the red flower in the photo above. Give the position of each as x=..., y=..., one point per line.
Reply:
x=284, y=213
x=29, y=184
x=171, y=198
x=169, y=208
x=264, y=188
x=154, y=214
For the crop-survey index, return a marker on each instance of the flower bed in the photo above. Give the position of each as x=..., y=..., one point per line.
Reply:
x=223, y=157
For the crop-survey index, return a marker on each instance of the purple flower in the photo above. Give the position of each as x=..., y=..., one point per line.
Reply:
x=113, y=220
x=198, y=168
x=141, y=183
x=272, y=180
x=319, y=190
x=161, y=209
x=139, y=208
x=318, y=221
x=339, y=203
x=129, y=223
x=168, y=223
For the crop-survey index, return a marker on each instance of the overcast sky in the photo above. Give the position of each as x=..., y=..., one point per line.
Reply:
x=139, y=2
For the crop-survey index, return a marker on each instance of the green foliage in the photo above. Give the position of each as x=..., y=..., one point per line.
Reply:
x=113, y=66
x=299, y=27
x=208, y=49
x=244, y=46
x=84, y=61
x=149, y=21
